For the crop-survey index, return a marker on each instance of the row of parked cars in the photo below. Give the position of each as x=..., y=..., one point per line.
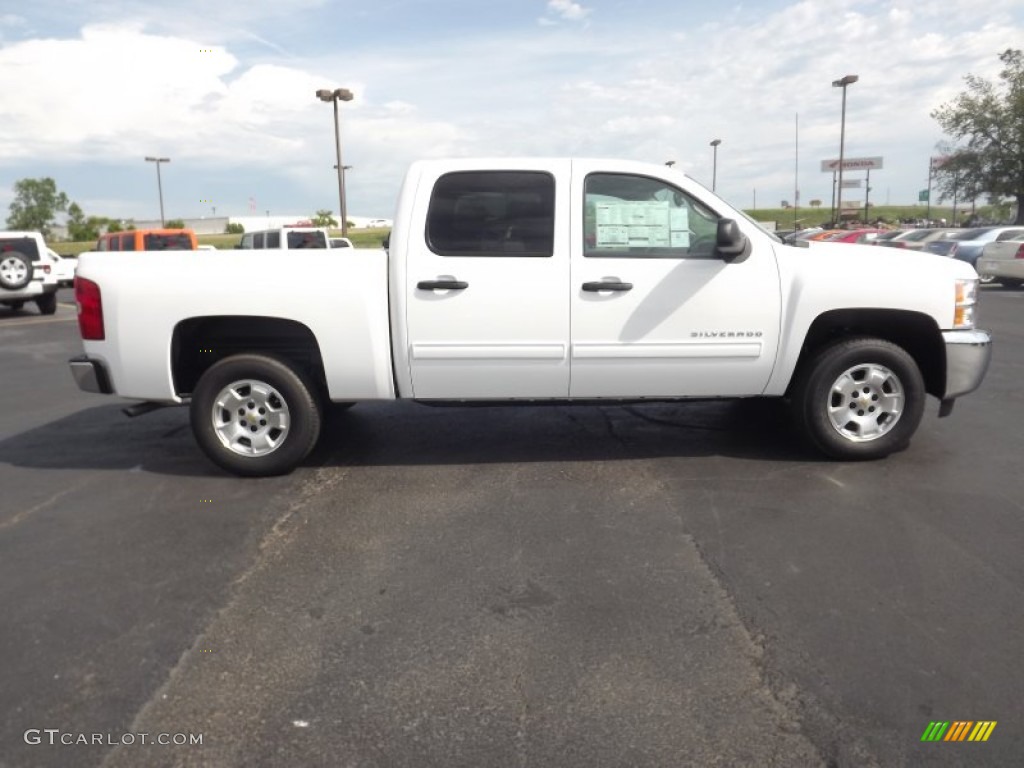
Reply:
x=997, y=252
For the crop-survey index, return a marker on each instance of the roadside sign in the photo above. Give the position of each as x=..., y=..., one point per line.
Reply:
x=852, y=164
x=922, y=196
x=851, y=183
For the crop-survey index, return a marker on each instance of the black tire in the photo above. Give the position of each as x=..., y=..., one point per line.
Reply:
x=256, y=386
x=861, y=398
x=15, y=270
x=15, y=305
x=1010, y=282
x=47, y=303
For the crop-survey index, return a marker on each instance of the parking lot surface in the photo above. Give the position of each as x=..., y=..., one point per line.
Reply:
x=661, y=585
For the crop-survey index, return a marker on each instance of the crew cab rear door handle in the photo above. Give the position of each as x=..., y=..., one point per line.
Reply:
x=607, y=285
x=442, y=285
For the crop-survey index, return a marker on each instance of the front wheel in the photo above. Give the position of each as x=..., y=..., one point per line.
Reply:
x=860, y=398
x=1011, y=282
x=255, y=415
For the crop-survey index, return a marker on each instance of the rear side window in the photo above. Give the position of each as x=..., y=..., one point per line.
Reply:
x=24, y=245
x=246, y=242
x=273, y=240
x=1010, y=234
x=181, y=242
x=492, y=213
x=126, y=242
x=257, y=240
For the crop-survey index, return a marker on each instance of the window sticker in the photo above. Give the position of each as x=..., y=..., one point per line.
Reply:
x=641, y=224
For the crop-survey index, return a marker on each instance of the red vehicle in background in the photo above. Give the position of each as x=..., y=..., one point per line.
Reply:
x=855, y=236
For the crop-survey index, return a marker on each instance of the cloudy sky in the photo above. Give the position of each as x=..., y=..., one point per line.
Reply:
x=226, y=90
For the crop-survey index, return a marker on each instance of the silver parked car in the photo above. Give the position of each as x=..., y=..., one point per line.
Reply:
x=1003, y=260
x=914, y=239
x=968, y=244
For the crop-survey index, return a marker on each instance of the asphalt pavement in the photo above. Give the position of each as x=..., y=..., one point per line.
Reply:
x=663, y=585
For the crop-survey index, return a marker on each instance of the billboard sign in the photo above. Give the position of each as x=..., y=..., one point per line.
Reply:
x=852, y=164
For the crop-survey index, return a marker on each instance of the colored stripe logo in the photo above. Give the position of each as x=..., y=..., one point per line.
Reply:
x=959, y=730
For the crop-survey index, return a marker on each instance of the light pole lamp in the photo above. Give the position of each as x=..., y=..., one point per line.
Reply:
x=842, y=83
x=159, y=185
x=338, y=94
x=714, y=163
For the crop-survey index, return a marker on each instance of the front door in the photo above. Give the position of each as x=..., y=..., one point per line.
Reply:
x=487, y=283
x=655, y=313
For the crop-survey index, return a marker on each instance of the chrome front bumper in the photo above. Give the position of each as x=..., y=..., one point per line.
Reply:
x=90, y=375
x=967, y=357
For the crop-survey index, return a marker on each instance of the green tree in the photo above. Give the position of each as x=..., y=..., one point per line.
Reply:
x=113, y=225
x=82, y=229
x=36, y=205
x=175, y=224
x=233, y=228
x=324, y=219
x=989, y=120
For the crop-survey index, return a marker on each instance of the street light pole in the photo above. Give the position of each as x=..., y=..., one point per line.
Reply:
x=842, y=83
x=159, y=185
x=714, y=163
x=338, y=94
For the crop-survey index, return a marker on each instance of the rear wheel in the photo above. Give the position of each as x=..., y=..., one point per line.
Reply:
x=860, y=398
x=47, y=303
x=255, y=415
x=15, y=270
x=1010, y=282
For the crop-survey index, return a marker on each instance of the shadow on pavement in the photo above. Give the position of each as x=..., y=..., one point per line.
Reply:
x=403, y=433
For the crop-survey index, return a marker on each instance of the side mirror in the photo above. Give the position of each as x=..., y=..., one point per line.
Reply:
x=730, y=243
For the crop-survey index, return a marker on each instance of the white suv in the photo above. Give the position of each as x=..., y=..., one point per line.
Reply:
x=287, y=238
x=26, y=273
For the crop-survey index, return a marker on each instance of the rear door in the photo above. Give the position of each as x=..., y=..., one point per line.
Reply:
x=487, y=278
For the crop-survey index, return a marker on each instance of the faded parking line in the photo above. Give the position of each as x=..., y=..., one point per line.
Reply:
x=19, y=322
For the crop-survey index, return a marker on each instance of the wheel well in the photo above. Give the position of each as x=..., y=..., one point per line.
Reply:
x=915, y=332
x=199, y=342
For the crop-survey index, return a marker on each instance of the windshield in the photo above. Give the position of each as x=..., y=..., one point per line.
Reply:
x=166, y=242
x=307, y=240
x=753, y=221
x=970, y=234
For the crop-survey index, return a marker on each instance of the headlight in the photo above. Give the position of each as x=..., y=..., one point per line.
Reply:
x=966, y=300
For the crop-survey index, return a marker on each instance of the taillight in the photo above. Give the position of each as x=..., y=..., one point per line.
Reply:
x=1020, y=252
x=46, y=269
x=952, y=249
x=90, y=309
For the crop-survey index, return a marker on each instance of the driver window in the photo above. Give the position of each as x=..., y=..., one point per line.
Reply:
x=641, y=217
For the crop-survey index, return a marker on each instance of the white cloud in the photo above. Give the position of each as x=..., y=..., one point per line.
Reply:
x=567, y=10
x=118, y=92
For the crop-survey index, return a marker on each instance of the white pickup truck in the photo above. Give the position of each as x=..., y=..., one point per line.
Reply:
x=540, y=280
